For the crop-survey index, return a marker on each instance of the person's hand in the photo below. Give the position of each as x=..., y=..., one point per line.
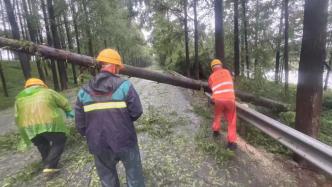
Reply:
x=210, y=101
x=70, y=114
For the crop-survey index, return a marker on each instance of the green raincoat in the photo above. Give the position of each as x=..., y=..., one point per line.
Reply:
x=38, y=110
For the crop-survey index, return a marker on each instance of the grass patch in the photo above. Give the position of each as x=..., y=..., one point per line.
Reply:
x=155, y=124
x=25, y=175
x=206, y=142
x=15, y=81
x=269, y=89
x=9, y=142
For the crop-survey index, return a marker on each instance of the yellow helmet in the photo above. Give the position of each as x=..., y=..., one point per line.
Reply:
x=110, y=56
x=34, y=81
x=215, y=62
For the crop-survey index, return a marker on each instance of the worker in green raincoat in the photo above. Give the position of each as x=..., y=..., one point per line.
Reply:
x=39, y=114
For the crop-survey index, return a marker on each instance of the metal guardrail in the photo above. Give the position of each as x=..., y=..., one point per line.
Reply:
x=307, y=147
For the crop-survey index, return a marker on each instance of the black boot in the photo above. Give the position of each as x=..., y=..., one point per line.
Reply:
x=216, y=134
x=232, y=146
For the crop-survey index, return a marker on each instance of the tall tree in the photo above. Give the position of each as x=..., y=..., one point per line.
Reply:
x=87, y=27
x=256, y=38
x=219, y=29
x=277, y=65
x=328, y=73
x=77, y=38
x=3, y=79
x=56, y=44
x=70, y=43
x=236, y=39
x=245, y=25
x=313, y=54
x=50, y=43
x=196, y=41
x=286, y=44
x=31, y=20
x=2, y=75
x=186, y=37
x=16, y=35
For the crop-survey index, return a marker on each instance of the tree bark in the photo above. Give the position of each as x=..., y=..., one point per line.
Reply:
x=328, y=74
x=3, y=79
x=309, y=88
x=16, y=35
x=29, y=15
x=77, y=38
x=219, y=29
x=236, y=39
x=286, y=45
x=70, y=44
x=50, y=43
x=20, y=21
x=257, y=20
x=277, y=67
x=87, y=28
x=186, y=37
x=245, y=22
x=56, y=44
x=196, y=66
x=87, y=61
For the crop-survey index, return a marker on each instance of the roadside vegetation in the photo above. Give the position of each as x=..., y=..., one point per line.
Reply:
x=15, y=82
x=269, y=89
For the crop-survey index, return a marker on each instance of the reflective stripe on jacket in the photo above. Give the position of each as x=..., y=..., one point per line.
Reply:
x=105, y=111
x=221, y=84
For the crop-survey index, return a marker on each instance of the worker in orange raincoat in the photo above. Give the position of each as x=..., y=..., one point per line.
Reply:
x=221, y=84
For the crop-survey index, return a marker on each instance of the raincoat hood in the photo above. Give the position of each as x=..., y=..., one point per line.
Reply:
x=104, y=83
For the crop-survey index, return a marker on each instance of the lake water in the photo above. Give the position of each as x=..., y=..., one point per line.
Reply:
x=293, y=77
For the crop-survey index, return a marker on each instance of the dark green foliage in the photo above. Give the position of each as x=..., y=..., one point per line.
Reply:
x=9, y=142
x=263, y=87
x=154, y=123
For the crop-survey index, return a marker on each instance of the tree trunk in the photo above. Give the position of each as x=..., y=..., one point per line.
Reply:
x=16, y=35
x=196, y=66
x=32, y=32
x=219, y=29
x=87, y=28
x=87, y=61
x=286, y=45
x=56, y=44
x=63, y=44
x=70, y=44
x=4, y=21
x=19, y=15
x=277, y=67
x=309, y=88
x=3, y=79
x=50, y=43
x=186, y=37
x=77, y=38
x=327, y=75
x=257, y=20
x=244, y=14
x=236, y=39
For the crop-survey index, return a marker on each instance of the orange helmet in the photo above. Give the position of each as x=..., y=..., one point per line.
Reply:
x=34, y=81
x=110, y=56
x=215, y=62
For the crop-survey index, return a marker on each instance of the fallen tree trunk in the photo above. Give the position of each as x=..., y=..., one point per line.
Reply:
x=87, y=61
x=247, y=97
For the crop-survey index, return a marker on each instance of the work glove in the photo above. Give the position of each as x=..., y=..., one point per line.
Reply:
x=70, y=114
x=210, y=101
